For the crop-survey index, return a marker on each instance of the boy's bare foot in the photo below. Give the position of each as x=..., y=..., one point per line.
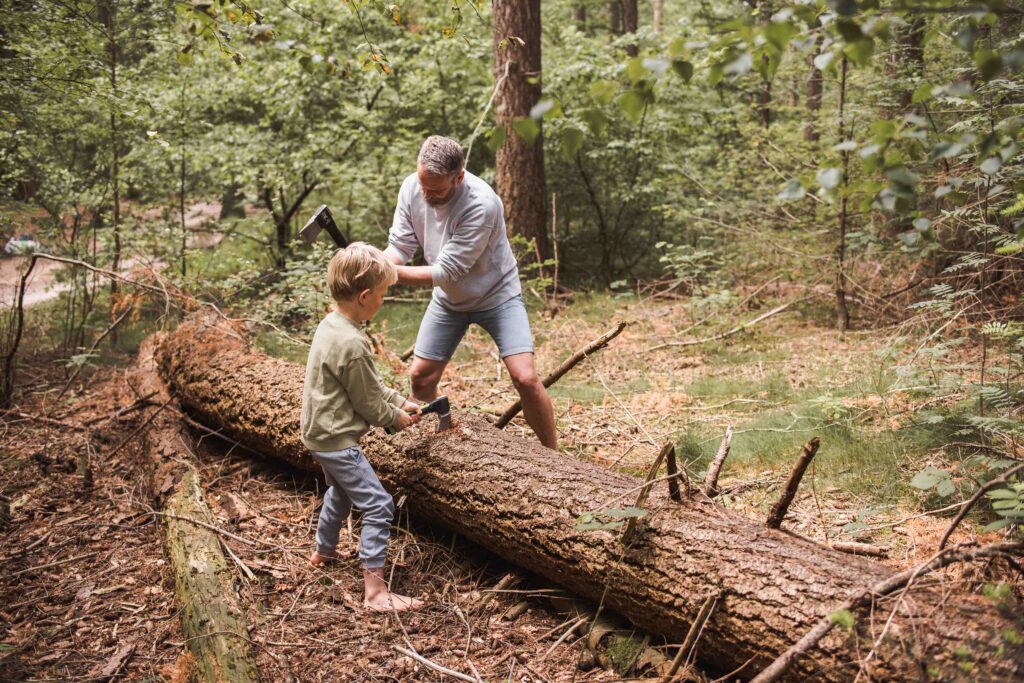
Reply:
x=318, y=558
x=380, y=599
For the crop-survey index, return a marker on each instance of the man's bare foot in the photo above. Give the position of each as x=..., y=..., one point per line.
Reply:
x=380, y=599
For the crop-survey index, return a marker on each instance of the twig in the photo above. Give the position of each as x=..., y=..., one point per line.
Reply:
x=502, y=584
x=92, y=350
x=711, y=480
x=974, y=499
x=142, y=402
x=778, y=668
x=241, y=565
x=140, y=428
x=691, y=637
x=859, y=548
x=641, y=498
x=729, y=333
x=567, y=365
x=433, y=665
x=568, y=632
x=52, y=564
x=789, y=492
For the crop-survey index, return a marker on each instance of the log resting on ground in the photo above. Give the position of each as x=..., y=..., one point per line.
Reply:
x=521, y=501
x=211, y=616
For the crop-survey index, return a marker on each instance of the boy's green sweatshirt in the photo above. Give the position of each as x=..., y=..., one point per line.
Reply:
x=343, y=394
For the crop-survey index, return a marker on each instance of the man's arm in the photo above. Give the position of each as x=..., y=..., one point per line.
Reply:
x=418, y=276
x=402, y=240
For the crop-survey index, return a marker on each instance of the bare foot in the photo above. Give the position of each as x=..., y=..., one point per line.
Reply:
x=389, y=602
x=318, y=558
x=380, y=599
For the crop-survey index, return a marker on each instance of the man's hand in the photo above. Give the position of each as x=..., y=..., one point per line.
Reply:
x=412, y=408
x=416, y=276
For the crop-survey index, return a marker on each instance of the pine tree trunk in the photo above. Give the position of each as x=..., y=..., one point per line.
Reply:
x=522, y=501
x=630, y=22
x=519, y=167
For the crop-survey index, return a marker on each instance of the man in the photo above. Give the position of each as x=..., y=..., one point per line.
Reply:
x=459, y=222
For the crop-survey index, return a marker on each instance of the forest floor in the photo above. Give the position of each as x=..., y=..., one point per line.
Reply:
x=87, y=594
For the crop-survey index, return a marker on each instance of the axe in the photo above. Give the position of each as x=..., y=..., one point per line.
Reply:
x=439, y=405
x=322, y=220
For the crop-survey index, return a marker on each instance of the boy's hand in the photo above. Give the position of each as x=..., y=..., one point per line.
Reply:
x=405, y=419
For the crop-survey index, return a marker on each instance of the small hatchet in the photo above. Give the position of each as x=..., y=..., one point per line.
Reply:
x=439, y=405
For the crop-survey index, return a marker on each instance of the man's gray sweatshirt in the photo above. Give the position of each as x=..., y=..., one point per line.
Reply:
x=464, y=243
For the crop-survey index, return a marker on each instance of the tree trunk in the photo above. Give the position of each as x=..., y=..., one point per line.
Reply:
x=815, y=84
x=519, y=167
x=615, y=17
x=630, y=23
x=522, y=501
x=659, y=16
x=211, y=617
x=904, y=65
x=579, y=15
x=842, y=310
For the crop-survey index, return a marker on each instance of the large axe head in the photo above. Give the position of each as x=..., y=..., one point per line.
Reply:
x=322, y=220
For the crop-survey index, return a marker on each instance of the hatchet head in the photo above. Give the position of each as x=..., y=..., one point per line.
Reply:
x=322, y=220
x=443, y=408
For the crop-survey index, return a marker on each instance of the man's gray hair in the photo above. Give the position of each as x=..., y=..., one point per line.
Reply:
x=441, y=156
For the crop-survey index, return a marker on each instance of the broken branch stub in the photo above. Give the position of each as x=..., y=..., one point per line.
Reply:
x=781, y=506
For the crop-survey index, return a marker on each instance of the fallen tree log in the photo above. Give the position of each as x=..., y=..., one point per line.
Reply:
x=211, y=617
x=521, y=501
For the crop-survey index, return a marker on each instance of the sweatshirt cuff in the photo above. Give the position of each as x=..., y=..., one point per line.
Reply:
x=437, y=276
x=397, y=400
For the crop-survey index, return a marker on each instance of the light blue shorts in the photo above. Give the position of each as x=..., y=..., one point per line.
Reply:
x=442, y=329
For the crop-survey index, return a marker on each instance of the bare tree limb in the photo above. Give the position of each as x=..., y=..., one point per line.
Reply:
x=567, y=365
x=975, y=498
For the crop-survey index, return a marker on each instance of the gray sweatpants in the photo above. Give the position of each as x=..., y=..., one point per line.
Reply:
x=351, y=481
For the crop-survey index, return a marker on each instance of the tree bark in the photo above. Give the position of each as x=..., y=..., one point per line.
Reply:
x=579, y=15
x=904, y=65
x=615, y=17
x=522, y=501
x=519, y=167
x=211, y=617
x=630, y=23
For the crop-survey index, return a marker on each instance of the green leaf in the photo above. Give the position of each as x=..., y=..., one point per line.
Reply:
x=966, y=36
x=603, y=91
x=635, y=70
x=945, y=488
x=632, y=103
x=843, y=618
x=922, y=93
x=849, y=30
x=683, y=68
x=1002, y=494
x=829, y=178
x=928, y=477
x=496, y=138
x=997, y=525
x=989, y=63
x=860, y=51
x=791, y=191
x=572, y=142
x=624, y=513
x=596, y=121
x=921, y=224
x=779, y=34
x=656, y=65
x=946, y=149
x=527, y=129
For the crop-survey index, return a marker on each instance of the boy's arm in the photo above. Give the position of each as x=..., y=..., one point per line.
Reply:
x=370, y=399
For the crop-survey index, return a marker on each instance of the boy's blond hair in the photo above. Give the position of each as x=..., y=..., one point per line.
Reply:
x=357, y=267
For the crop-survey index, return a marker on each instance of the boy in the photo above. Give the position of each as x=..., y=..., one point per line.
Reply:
x=343, y=395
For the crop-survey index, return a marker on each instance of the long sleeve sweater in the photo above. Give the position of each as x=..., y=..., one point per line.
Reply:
x=343, y=394
x=464, y=242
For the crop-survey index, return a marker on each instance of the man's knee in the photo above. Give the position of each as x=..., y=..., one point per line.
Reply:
x=424, y=380
x=526, y=380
